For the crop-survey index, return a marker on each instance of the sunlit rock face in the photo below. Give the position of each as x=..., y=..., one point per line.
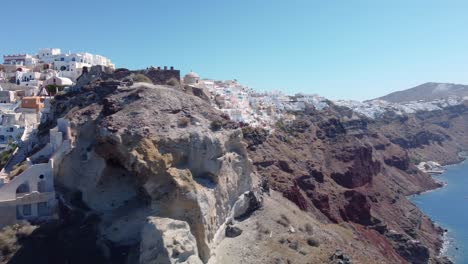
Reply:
x=145, y=151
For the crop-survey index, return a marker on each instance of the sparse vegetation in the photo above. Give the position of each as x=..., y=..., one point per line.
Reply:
x=6, y=154
x=284, y=220
x=18, y=169
x=53, y=89
x=216, y=125
x=262, y=229
x=9, y=237
x=141, y=78
x=173, y=82
x=309, y=229
x=183, y=122
x=313, y=242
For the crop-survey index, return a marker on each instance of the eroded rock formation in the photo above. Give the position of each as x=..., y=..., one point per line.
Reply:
x=157, y=175
x=133, y=160
x=343, y=169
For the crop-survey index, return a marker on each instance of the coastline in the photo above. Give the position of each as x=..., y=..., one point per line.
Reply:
x=448, y=242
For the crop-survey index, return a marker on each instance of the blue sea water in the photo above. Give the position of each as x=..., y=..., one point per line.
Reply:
x=448, y=207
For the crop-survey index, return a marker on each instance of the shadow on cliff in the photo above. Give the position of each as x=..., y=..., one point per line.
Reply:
x=72, y=239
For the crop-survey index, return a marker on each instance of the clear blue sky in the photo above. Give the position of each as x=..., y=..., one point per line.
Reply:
x=341, y=49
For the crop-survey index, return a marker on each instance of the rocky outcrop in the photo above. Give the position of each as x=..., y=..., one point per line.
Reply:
x=165, y=178
x=168, y=241
x=247, y=203
x=429, y=135
x=133, y=160
x=357, y=208
x=233, y=231
x=411, y=250
x=342, y=169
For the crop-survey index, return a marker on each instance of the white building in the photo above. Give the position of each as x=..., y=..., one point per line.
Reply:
x=59, y=81
x=191, y=78
x=69, y=65
x=7, y=97
x=28, y=78
x=31, y=195
x=47, y=53
x=10, y=134
x=20, y=59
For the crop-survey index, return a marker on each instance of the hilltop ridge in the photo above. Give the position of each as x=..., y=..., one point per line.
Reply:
x=427, y=92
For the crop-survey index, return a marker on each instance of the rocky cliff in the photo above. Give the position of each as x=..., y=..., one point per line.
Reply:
x=343, y=169
x=429, y=135
x=145, y=150
x=157, y=175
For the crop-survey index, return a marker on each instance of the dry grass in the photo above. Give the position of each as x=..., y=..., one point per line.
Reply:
x=9, y=238
x=18, y=169
x=183, y=122
x=216, y=125
x=309, y=229
x=284, y=220
x=313, y=242
x=261, y=230
x=173, y=82
x=141, y=78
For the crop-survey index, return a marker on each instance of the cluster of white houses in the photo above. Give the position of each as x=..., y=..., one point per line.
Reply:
x=245, y=105
x=27, y=85
x=49, y=67
x=30, y=194
x=25, y=101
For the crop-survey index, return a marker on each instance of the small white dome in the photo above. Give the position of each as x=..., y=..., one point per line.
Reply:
x=192, y=74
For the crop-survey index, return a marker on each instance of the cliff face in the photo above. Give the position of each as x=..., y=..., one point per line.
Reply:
x=156, y=174
x=436, y=135
x=146, y=150
x=343, y=170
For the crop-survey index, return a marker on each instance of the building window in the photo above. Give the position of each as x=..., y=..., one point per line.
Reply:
x=27, y=209
x=42, y=209
x=62, y=59
x=23, y=188
x=41, y=186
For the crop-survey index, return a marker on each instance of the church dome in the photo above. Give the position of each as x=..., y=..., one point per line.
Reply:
x=192, y=74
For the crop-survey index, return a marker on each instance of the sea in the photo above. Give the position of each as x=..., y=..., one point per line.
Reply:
x=448, y=207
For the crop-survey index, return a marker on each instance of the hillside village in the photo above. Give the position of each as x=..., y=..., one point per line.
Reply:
x=28, y=84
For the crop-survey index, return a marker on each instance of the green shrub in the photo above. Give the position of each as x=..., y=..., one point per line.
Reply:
x=173, y=82
x=18, y=169
x=141, y=78
x=216, y=125
x=183, y=121
x=313, y=242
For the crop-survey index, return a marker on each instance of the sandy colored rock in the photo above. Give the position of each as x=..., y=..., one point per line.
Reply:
x=167, y=241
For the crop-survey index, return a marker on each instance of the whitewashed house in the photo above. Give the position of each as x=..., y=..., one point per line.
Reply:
x=31, y=195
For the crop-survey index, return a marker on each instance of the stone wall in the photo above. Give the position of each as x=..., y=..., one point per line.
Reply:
x=161, y=75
